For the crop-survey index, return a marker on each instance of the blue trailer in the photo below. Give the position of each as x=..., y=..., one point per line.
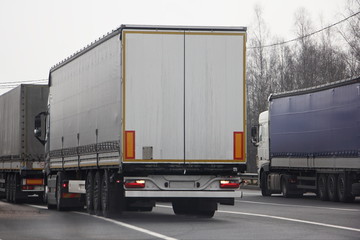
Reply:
x=309, y=141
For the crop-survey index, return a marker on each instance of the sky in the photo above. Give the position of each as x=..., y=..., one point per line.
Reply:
x=37, y=34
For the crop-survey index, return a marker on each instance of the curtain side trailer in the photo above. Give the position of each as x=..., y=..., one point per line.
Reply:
x=146, y=114
x=308, y=141
x=21, y=155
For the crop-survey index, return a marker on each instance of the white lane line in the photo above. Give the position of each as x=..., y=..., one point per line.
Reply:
x=283, y=218
x=292, y=220
x=163, y=206
x=143, y=230
x=293, y=205
x=36, y=206
x=139, y=229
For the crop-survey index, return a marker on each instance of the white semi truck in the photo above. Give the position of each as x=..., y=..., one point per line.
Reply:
x=146, y=114
x=309, y=141
x=21, y=155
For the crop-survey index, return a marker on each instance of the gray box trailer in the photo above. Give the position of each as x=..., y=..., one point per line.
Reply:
x=309, y=141
x=21, y=155
x=149, y=113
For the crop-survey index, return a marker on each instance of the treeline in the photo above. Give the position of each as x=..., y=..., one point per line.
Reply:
x=314, y=57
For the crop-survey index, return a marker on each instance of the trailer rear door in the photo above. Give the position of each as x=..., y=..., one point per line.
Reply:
x=214, y=97
x=183, y=96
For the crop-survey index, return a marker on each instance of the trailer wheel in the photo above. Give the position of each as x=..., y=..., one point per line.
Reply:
x=323, y=193
x=145, y=209
x=285, y=187
x=90, y=192
x=11, y=188
x=332, y=187
x=263, y=185
x=206, y=213
x=197, y=207
x=344, y=189
x=14, y=189
x=7, y=191
x=97, y=193
x=59, y=200
x=105, y=192
x=140, y=209
x=2, y=194
x=180, y=207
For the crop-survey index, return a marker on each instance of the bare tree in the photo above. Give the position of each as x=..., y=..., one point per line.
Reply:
x=351, y=35
x=306, y=51
x=310, y=60
x=257, y=79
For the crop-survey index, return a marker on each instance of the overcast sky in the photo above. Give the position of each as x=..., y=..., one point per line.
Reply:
x=36, y=34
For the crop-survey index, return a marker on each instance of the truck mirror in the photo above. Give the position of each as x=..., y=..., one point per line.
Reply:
x=38, y=127
x=37, y=132
x=254, y=137
x=254, y=132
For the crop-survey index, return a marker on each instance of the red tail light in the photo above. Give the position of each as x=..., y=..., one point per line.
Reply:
x=229, y=184
x=65, y=185
x=27, y=187
x=135, y=184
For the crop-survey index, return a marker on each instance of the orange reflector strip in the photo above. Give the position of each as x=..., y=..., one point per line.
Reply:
x=130, y=144
x=71, y=195
x=34, y=182
x=238, y=145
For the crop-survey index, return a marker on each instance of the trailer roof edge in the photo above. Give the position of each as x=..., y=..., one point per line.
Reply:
x=343, y=82
x=129, y=26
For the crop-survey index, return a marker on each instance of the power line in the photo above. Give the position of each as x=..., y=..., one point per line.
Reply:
x=307, y=35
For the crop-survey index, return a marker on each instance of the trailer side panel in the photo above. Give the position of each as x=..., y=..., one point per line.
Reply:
x=319, y=124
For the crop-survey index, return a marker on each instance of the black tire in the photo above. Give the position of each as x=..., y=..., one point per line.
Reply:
x=145, y=209
x=90, y=192
x=11, y=188
x=14, y=197
x=97, y=193
x=105, y=192
x=263, y=185
x=7, y=186
x=180, y=207
x=139, y=209
x=59, y=191
x=323, y=193
x=196, y=207
x=50, y=206
x=45, y=195
x=206, y=214
x=344, y=189
x=332, y=187
x=3, y=194
x=285, y=187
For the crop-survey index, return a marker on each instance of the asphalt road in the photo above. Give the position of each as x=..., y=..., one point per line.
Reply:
x=253, y=217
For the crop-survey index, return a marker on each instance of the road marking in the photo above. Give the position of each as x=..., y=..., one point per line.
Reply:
x=36, y=206
x=293, y=220
x=283, y=218
x=293, y=205
x=143, y=230
x=163, y=206
x=139, y=229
